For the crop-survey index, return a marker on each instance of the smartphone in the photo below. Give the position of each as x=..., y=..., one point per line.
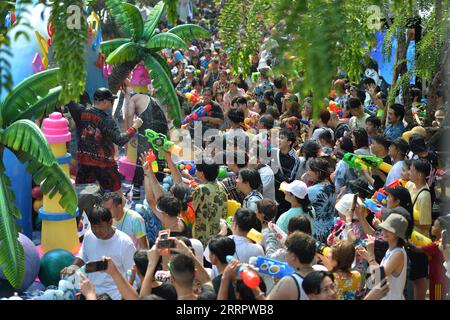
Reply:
x=95, y=266
x=164, y=240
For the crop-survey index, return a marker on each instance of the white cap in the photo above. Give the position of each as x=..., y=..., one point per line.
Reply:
x=344, y=205
x=297, y=188
x=190, y=68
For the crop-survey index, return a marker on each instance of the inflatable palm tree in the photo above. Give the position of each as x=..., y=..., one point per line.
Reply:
x=36, y=96
x=144, y=45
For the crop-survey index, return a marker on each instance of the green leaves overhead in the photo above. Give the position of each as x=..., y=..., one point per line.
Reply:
x=126, y=52
x=110, y=45
x=164, y=89
x=153, y=19
x=166, y=40
x=68, y=45
x=188, y=32
x=12, y=258
x=134, y=19
x=117, y=11
x=27, y=93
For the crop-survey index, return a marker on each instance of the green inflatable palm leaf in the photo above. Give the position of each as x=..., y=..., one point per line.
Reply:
x=110, y=45
x=12, y=257
x=116, y=10
x=162, y=61
x=125, y=53
x=187, y=32
x=26, y=93
x=164, y=89
x=153, y=19
x=135, y=21
x=166, y=40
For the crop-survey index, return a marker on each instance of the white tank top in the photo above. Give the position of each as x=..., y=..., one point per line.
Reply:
x=396, y=284
x=299, y=281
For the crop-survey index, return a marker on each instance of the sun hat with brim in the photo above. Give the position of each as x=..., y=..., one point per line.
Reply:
x=386, y=212
x=419, y=130
x=344, y=205
x=395, y=223
x=297, y=188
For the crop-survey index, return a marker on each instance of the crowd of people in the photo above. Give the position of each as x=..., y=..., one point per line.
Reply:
x=304, y=205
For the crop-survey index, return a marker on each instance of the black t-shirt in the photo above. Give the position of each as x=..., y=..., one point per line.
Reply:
x=166, y=291
x=279, y=100
x=216, y=284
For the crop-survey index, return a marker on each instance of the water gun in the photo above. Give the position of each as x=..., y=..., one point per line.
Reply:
x=442, y=174
x=232, y=207
x=251, y=278
x=251, y=122
x=193, y=97
x=255, y=235
x=371, y=109
x=373, y=206
x=198, y=113
x=151, y=160
x=280, y=234
x=365, y=162
x=186, y=89
x=419, y=239
x=160, y=142
x=380, y=196
x=271, y=267
x=305, y=122
x=336, y=108
x=322, y=249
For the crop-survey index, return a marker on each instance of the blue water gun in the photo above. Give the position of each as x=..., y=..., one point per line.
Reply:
x=373, y=206
x=271, y=267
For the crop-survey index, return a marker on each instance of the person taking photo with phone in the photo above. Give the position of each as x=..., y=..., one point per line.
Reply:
x=103, y=240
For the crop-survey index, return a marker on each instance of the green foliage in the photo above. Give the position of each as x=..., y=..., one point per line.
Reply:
x=126, y=52
x=241, y=31
x=117, y=11
x=12, y=258
x=68, y=49
x=134, y=19
x=188, y=32
x=166, y=40
x=26, y=94
x=109, y=46
x=153, y=19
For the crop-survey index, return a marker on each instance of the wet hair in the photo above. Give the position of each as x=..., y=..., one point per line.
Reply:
x=209, y=168
x=324, y=116
x=273, y=111
x=116, y=198
x=182, y=269
x=374, y=120
x=354, y=103
x=343, y=252
x=267, y=121
x=268, y=208
x=183, y=193
x=399, y=110
x=346, y=144
x=326, y=136
x=241, y=100
x=381, y=139
x=417, y=143
x=368, y=81
x=361, y=138
x=422, y=165
x=100, y=214
x=299, y=223
x=289, y=134
x=245, y=219
x=312, y=282
x=320, y=166
x=169, y=205
x=268, y=94
x=221, y=247
x=140, y=259
x=252, y=177
x=279, y=82
x=303, y=246
x=361, y=187
x=236, y=115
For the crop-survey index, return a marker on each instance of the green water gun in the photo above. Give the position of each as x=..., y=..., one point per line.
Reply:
x=365, y=162
x=160, y=142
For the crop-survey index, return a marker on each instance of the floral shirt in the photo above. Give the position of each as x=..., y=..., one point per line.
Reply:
x=323, y=199
x=210, y=205
x=347, y=284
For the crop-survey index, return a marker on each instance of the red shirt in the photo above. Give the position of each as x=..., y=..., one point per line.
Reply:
x=436, y=261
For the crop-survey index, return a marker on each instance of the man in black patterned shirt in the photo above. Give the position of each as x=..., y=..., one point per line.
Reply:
x=98, y=132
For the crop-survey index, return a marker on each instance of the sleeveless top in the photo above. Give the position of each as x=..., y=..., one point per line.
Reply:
x=299, y=281
x=396, y=284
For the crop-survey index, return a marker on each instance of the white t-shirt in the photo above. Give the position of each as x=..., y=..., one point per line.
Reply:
x=246, y=249
x=318, y=131
x=268, y=181
x=119, y=248
x=395, y=173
